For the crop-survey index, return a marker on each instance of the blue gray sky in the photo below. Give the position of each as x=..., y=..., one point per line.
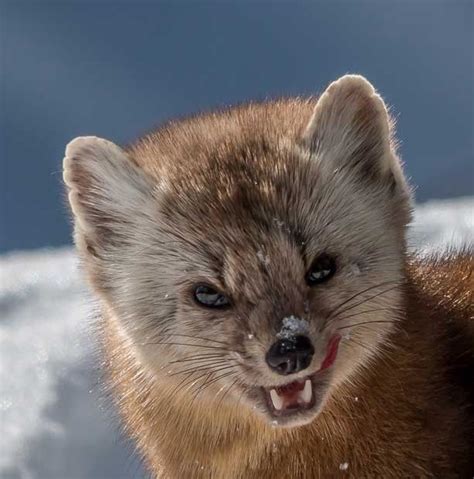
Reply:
x=117, y=69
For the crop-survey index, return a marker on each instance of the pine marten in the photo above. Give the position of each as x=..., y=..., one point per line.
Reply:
x=260, y=314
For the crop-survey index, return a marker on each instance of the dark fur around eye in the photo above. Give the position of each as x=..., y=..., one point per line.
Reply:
x=321, y=270
x=209, y=297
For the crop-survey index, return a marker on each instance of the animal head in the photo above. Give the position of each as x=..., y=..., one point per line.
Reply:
x=252, y=255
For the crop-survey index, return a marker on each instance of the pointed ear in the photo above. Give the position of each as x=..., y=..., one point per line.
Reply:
x=106, y=191
x=351, y=128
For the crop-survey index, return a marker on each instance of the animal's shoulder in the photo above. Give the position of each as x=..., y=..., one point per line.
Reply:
x=445, y=281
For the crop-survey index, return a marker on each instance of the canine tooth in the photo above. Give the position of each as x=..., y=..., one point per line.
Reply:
x=307, y=393
x=276, y=400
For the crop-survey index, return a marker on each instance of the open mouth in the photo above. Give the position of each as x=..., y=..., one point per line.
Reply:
x=290, y=398
x=302, y=394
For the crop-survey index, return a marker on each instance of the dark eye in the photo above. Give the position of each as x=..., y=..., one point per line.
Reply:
x=323, y=268
x=210, y=298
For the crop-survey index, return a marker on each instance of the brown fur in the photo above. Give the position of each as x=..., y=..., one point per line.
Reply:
x=409, y=415
x=245, y=199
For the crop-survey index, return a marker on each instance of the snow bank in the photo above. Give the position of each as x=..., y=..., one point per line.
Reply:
x=54, y=424
x=443, y=222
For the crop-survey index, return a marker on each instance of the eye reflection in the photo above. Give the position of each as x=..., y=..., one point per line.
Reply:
x=209, y=297
x=322, y=269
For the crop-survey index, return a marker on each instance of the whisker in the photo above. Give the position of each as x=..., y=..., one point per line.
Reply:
x=220, y=377
x=244, y=389
x=203, y=367
x=385, y=283
x=218, y=348
x=352, y=306
x=368, y=299
x=196, y=358
x=199, y=367
x=200, y=388
x=225, y=393
x=192, y=382
x=367, y=311
x=371, y=349
x=199, y=337
x=362, y=345
x=187, y=376
x=360, y=324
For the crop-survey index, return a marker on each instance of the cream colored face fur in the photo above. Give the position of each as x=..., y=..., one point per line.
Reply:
x=245, y=200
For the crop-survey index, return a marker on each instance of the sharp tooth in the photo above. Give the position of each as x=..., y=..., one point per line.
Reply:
x=307, y=393
x=276, y=400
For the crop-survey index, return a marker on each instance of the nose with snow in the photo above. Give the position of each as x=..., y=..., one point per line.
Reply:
x=290, y=355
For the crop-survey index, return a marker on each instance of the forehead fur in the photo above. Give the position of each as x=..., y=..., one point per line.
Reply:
x=227, y=170
x=242, y=178
x=183, y=150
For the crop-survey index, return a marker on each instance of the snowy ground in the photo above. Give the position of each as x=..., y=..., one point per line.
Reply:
x=54, y=423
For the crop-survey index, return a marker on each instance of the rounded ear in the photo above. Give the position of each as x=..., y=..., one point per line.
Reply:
x=106, y=191
x=351, y=129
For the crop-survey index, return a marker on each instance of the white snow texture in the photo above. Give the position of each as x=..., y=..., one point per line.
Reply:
x=55, y=422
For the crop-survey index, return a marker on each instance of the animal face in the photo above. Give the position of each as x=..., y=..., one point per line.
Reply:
x=252, y=257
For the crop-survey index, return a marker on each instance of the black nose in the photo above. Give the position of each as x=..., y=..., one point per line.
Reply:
x=288, y=356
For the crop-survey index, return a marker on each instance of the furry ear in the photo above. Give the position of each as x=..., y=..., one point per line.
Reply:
x=351, y=127
x=106, y=192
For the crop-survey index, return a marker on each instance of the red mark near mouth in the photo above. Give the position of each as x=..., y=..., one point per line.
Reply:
x=331, y=352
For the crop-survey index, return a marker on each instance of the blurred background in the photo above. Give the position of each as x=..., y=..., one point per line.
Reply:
x=118, y=69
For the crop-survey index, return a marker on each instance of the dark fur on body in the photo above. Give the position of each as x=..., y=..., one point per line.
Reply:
x=244, y=199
